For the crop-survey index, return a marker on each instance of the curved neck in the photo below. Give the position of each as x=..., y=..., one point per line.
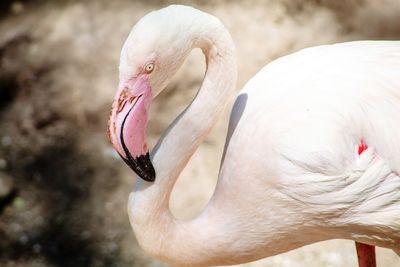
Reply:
x=157, y=231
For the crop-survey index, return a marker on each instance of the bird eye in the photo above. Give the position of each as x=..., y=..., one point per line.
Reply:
x=149, y=67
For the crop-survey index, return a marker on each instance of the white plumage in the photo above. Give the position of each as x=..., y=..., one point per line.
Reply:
x=291, y=174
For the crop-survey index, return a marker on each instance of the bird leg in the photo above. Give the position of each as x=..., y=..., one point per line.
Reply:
x=366, y=255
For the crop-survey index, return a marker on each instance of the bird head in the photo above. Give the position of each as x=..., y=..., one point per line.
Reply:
x=154, y=50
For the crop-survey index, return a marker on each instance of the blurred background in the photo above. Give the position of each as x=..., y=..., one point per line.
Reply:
x=63, y=191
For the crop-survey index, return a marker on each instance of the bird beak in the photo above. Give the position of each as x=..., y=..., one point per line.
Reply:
x=127, y=125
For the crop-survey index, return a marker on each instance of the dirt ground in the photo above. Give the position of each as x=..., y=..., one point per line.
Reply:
x=63, y=190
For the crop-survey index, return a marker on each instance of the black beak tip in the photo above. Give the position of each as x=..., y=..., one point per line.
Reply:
x=145, y=168
x=148, y=174
x=151, y=177
x=142, y=166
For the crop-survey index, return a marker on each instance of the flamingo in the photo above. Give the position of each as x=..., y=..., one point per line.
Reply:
x=312, y=151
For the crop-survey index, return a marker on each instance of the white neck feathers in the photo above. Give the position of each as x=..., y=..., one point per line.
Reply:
x=157, y=231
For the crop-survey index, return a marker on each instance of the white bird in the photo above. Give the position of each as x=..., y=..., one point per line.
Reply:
x=292, y=171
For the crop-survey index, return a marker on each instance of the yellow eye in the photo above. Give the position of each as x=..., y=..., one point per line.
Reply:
x=149, y=67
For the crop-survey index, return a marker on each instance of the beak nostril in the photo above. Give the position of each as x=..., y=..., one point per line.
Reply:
x=121, y=106
x=123, y=98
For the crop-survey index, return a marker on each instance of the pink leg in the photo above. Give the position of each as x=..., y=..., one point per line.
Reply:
x=366, y=255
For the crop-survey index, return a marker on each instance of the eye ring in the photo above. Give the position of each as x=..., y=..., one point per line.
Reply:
x=149, y=67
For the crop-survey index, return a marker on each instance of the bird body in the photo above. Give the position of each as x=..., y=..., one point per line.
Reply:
x=290, y=174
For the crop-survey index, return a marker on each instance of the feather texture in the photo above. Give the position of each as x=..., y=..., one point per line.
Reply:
x=291, y=173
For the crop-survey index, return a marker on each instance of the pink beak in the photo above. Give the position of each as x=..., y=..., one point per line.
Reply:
x=127, y=125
